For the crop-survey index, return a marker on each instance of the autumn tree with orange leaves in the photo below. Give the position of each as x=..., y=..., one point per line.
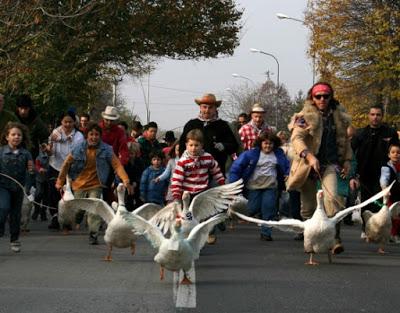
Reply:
x=356, y=44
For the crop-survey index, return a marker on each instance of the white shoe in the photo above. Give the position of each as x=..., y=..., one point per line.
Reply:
x=363, y=235
x=15, y=246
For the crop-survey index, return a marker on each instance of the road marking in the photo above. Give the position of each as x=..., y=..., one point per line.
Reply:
x=185, y=295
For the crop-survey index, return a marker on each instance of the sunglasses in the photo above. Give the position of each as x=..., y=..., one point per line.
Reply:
x=319, y=97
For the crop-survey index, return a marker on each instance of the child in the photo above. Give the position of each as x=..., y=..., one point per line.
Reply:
x=263, y=169
x=148, y=142
x=88, y=165
x=16, y=162
x=42, y=184
x=150, y=191
x=134, y=169
x=389, y=173
x=193, y=169
x=173, y=155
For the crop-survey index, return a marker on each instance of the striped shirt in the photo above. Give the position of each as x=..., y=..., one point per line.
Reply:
x=192, y=174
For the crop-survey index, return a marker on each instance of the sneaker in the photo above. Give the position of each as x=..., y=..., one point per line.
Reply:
x=363, y=235
x=265, y=237
x=394, y=239
x=211, y=239
x=337, y=248
x=15, y=246
x=93, y=239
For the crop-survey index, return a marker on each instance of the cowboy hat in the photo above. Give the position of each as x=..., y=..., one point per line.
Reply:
x=110, y=113
x=169, y=136
x=208, y=98
x=257, y=108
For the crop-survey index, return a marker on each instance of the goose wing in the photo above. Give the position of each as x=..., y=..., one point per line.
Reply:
x=215, y=200
x=342, y=214
x=198, y=236
x=95, y=206
x=292, y=225
x=147, y=210
x=151, y=232
x=165, y=217
x=240, y=205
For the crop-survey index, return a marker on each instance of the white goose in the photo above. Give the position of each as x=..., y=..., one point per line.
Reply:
x=177, y=252
x=203, y=205
x=378, y=225
x=118, y=233
x=26, y=209
x=319, y=230
x=66, y=210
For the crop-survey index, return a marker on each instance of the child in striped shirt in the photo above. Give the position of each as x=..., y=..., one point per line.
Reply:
x=194, y=168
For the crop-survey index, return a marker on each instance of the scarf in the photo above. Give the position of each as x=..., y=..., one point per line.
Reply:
x=210, y=120
x=263, y=127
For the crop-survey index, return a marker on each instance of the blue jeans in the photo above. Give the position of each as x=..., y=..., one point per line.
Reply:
x=263, y=201
x=10, y=205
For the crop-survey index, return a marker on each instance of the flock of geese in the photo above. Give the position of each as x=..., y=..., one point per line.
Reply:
x=179, y=231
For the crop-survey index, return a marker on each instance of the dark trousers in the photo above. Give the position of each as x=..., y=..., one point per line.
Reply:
x=295, y=204
x=10, y=205
x=54, y=194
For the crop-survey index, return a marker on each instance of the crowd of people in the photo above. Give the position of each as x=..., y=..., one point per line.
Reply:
x=281, y=170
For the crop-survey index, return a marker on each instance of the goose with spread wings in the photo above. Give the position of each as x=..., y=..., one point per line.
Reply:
x=319, y=230
x=379, y=224
x=177, y=252
x=118, y=233
x=208, y=203
x=66, y=209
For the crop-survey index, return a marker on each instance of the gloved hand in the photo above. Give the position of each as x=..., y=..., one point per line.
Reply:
x=219, y=146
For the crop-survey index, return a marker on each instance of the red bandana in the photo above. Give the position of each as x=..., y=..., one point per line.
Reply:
x=321, y=88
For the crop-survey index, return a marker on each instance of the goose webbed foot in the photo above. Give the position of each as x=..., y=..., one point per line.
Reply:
x=162, y=273
x=311, y=260
x=381, y=251
x=108, y=257
x=185, y=279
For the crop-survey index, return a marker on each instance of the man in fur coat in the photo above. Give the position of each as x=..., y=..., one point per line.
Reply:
x=321, y=150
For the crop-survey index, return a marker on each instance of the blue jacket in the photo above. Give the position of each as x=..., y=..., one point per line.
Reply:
x=244, y=166
x=14, y=165
x=151, y=191
x=104, y=155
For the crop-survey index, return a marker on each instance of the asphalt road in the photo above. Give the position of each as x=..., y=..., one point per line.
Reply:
x=57, y=273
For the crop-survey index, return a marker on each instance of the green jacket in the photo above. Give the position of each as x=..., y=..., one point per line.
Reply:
x=146, y=147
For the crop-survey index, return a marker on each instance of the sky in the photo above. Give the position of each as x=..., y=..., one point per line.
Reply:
x=174, y=84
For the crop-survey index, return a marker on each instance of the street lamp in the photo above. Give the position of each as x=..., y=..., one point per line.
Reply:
x=244, y=77
x=282, y=16
x=277, y=81
x=250, y=80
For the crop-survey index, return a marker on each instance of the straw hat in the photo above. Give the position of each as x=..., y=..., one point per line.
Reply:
x=208, y=98
x=257, y=108
x=110, y=113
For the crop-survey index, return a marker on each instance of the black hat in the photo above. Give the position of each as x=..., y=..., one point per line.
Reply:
x=24, y=101
x=169, y=136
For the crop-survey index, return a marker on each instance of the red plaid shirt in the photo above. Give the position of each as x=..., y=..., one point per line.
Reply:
x=249, y=133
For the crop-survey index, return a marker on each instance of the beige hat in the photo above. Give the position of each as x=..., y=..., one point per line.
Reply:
x=257, y=108
x=110, y=113
x=208, y=98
